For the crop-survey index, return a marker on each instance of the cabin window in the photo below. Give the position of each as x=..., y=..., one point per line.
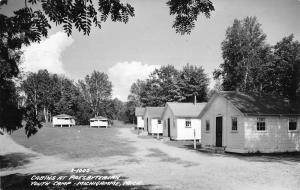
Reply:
x=292, y=124
x=234, y=124
x=158, y=121
x=188, y=123
x=207, y=126
x=261, y=124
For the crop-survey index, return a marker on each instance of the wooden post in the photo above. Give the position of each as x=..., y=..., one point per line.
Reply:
x=195, y=146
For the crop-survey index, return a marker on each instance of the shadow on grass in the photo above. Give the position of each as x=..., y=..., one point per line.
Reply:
x=24, y=182
x=14, y=160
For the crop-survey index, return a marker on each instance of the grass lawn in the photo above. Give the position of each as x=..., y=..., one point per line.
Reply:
x=77, y=142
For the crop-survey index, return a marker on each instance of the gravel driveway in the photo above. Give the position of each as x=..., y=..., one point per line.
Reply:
x=167, y=167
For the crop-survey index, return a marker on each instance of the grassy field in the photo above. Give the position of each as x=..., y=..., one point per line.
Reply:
x=77, y=142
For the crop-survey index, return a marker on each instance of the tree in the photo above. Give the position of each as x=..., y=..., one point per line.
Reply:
x=96, y=89
x=164, y=86
x=193, y=83
x=283, y=74
x=134, y=100
x=167, y=84
x=244, y=51
x=34, y=87
x=112, y=109
x=68, y=97
x=10, y=113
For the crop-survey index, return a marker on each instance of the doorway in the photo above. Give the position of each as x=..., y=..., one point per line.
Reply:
x=169, y=127
x=147, y=123
x=219, y=131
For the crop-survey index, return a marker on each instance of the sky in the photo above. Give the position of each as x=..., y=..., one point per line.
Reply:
x=127, y=52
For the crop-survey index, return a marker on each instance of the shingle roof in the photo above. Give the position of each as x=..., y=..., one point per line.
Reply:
x=98, y=118
x=260, y=105
x=139, y=111
x=63, y=116
x=154, y=112
x=186, y=109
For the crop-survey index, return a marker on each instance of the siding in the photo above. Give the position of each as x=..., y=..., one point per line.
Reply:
x=62, y=121
x=140, y=122
x=155, y=127
x=276, y=137
x=233, y=141
x=98, y=123
x=184, y=133
x=178, y=131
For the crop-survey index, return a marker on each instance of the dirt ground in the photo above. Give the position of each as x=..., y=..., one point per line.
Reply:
x=162, y=166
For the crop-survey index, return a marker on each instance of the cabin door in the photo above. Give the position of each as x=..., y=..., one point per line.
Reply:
x=147, y=123
x=219, y=129
x=169, y=127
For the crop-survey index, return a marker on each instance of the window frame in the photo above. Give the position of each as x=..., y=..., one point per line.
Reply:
x=236, y=122
x=190, y=123
x=261, y=120
x=289, y=121
x=207, y=123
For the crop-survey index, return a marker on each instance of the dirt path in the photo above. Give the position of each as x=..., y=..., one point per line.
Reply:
x=186, y=169
x=168, y=167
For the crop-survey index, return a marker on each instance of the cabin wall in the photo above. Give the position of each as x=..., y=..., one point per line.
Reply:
x=98, y=123
x=187, y=133
x=276, y=137
x=140, y=122
x=63, y=121
x=155, y=127
x=232, y=140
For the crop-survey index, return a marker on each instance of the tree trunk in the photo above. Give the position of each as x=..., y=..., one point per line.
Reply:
x=246, y=77
x=35, y=103
x=45, y=114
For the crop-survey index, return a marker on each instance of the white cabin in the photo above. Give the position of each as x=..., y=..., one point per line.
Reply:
x=248, y=124
x=99, y=121
x=181, y=120
x=139, y=113
x=152, y=120
x=63, y=120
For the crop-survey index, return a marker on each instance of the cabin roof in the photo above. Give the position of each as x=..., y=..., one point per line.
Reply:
x=259, y=105
x=63, y=116
x=99, y=118
x=180, y=109
x=154, y=112
x=139, y=111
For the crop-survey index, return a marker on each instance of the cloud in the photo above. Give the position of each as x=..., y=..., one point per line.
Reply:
x=46, y=54
x=123, y=74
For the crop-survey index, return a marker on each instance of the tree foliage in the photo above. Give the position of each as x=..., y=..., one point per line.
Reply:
x=244, y=52
x=193, y=83
x=253, y=66
x=283, y=74
x=187, y=12
x=167, y=84
x=96, y=89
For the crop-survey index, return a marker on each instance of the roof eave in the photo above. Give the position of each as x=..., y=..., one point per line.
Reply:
x=264, y=114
